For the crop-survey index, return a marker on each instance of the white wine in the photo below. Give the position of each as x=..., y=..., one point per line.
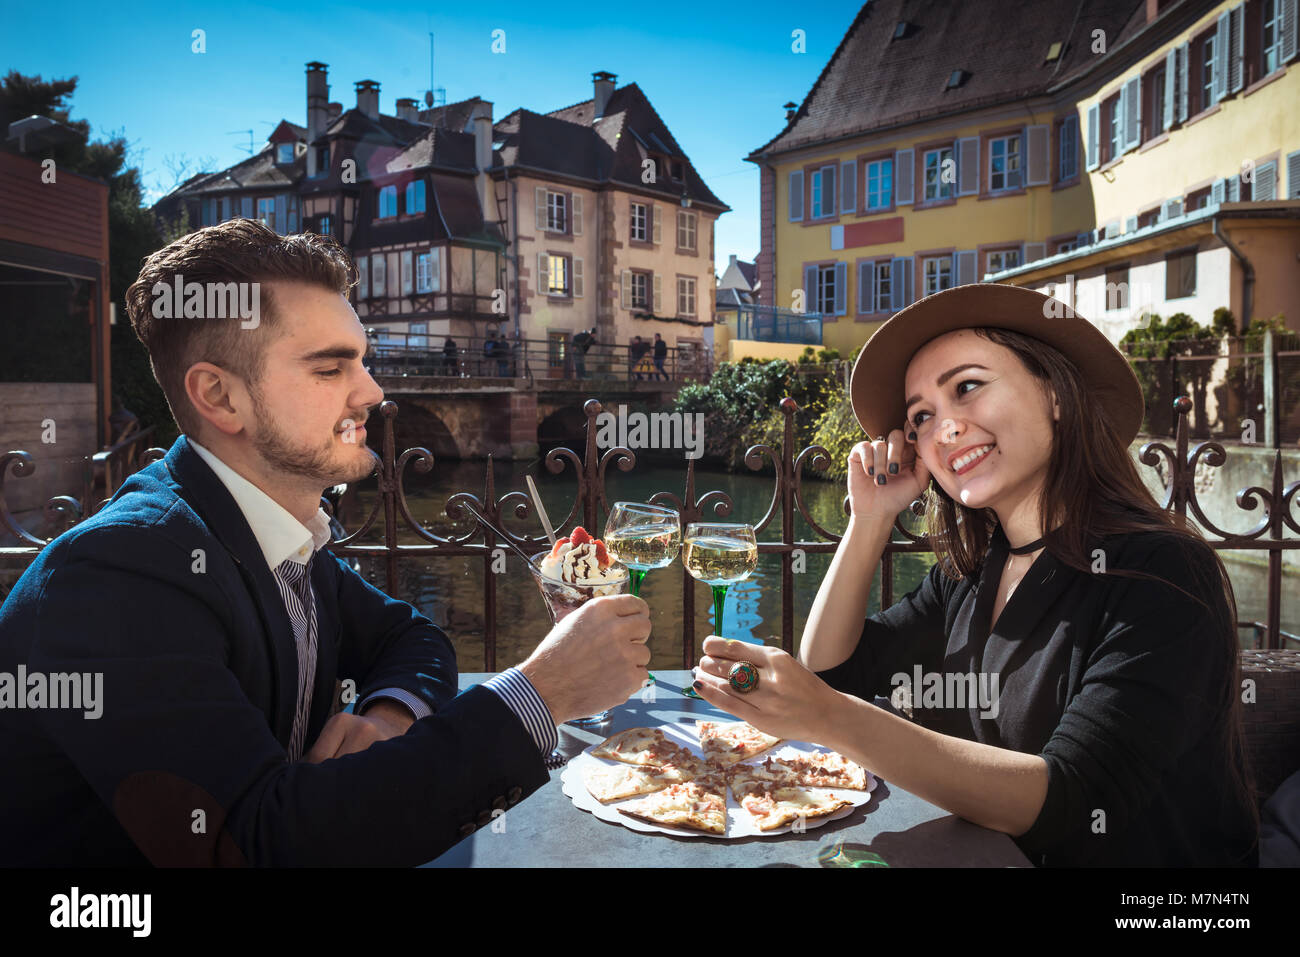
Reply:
x=644, y=546
x=716, y=560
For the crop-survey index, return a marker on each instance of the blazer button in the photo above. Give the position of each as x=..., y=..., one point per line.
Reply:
x=515, y=794
x=484, y=817
x=467, y=829
x=499, y=804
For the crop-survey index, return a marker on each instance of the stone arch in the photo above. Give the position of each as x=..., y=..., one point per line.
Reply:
x=417, y=425
x=566, y=425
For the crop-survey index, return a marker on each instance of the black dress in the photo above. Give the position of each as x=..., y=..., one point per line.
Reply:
x=1109, y=680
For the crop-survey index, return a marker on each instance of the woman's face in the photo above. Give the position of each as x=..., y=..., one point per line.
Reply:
x=965, y=394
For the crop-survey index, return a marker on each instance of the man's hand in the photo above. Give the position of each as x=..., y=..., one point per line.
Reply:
x=594, y=659
x=348, y=733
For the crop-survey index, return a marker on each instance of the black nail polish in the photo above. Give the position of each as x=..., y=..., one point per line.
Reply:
x=911, y=436
x=893, y=468
x=880, y=480
x=697, y=686
x=871, y=470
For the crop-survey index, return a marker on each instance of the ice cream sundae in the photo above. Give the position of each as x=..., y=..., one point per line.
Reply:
x=577, y=569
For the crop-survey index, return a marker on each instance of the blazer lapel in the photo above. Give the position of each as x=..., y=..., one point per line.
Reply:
x=206, y=494
x=324, y=584
x=1033, y=598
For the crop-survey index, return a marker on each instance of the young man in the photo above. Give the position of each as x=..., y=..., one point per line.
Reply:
x=661, y=353
x=200, y=602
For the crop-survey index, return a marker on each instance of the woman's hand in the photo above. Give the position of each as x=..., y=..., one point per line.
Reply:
x=869, y=462
x=790, y=701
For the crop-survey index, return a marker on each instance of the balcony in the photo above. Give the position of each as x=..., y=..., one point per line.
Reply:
x=770, y=324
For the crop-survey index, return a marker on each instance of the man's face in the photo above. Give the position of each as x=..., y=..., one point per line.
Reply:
x=999, y=405
x=315, y=393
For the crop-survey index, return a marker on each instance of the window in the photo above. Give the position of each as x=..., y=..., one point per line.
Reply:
x=880, y=184
x=1069, y=147
x=556, y=212
x=557, y=274
x=1149, y=218
x=823, y=192
x=937, y=273
x=415, y=196
x=387, y=202
x=883, y=294
x=1116, y=127
x=322, y=160
x=685, y=230
x=824, y=300
x=379, y=275
x=1153, y=104
x=408, y=272
x=1066, y=246
x=677, y=171
x=1004, y=164
x=428, y=271
x=1180, y=274
x=640, y=290
x=1198, y=199
x=938, y=176
x=266, y=211
x=1117, y=288
x=639, y=223
x=1003, y=259
x=325, y=226
x=1207, y=72
x=685, y=295
x=363, y=277
x=284, y=153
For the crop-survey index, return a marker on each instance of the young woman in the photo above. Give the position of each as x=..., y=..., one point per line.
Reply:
x=1071, y=658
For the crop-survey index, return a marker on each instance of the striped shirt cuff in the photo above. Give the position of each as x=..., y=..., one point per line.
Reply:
x=418, y=708
x=514, y=688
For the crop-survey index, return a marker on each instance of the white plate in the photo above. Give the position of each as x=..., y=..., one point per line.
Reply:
x=740, y=823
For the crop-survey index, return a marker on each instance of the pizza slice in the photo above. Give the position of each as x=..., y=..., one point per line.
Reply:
x=774, y=805
x=729, y=743
x=644, y=746
x=822, y=769
x=699, y=805
x=624, y=781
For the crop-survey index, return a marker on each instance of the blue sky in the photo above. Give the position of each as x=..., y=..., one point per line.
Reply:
x=716, y=72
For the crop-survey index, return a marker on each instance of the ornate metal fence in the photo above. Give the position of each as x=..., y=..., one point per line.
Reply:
x=787, y=502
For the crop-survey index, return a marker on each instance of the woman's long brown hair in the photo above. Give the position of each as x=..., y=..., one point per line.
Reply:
x=1093, y=490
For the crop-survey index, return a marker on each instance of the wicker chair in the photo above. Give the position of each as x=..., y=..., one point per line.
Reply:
x=1273, y=720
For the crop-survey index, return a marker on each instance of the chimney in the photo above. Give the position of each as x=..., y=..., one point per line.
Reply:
x=480, y=118
x=790, y=110
x=368, y=98
x=603, y=83
x=733, y=261
x=335, y=111
x=318, y=93
x=407, y=110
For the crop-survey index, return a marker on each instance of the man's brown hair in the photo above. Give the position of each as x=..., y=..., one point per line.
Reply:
x=237, y=251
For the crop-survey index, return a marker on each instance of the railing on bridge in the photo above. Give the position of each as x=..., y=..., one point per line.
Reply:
x=420, y=354
x=770, y=324
x=590, y=504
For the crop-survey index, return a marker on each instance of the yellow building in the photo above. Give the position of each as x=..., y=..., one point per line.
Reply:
x=943, y=145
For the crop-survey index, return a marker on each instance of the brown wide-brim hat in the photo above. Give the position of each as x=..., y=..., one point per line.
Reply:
x=876, y=388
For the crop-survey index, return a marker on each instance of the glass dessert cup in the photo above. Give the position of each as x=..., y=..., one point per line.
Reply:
x=563, y=598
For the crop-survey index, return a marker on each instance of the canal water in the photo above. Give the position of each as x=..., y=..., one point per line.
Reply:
x=449, y=589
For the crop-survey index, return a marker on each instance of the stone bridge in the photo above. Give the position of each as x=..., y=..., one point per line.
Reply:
x=473, y=417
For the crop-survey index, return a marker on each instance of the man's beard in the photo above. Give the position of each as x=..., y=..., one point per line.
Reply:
x=318, y=465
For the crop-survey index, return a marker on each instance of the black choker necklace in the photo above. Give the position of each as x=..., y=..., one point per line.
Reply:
x=1026, y=549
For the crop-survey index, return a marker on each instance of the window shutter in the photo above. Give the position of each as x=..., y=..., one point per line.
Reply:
x=1234, y=188
x=1184, y=71
x=293, y=213
x=658, y=306
x=1288, y=11
x=1034, y=252
x=829, y=192
x=1039, y=140
x=849, y=186
x=246, y=207
x=658, y=236
x=577, y=277
x=1093, y=118
x=796, y=196
x=1265, y=186
x=897, y=293
x=435, y=269
x=422, y=273
x=866, y=285
x=543, y=274
x=408, y=272
x=281, y=212
x=1133, y=113
x=963, y=267
x=841, y=288
x=810, y=289
x=903, y=170
x=363, y=277
x=1237, y=45
x=1219, y=191
x=577, y=215
x=1219, y=70
x=1131, y=225
x=1081, y=240
x=625, y=289
x=1293, y=175
x=1171, y=74
x=540, y=195
x=379, y=278
x=968, y=165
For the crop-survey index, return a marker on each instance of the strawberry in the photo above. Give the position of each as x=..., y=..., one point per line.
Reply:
x=602, y=556
x=580, y=536
x=559, y=542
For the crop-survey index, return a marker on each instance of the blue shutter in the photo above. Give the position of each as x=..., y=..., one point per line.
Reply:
x=1288, y=10
x=1094, y=118
x=281, y=213
x=963, y=267
x=968, y=165
x=810, y=289
x=1171, y=76
x=1218, y=191
x=1265, y=185
x=1219, y=69
x=866, y=287
x=1293, y=175
x=1184, y=73
x=1132, y=113
x=796, y=196
x=903, y=176
x=1237, y=47
x=841, y=288
x=246, y=207
x=897, y=280
x=849, y=186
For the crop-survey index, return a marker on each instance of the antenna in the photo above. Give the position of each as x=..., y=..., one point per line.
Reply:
x=250, y=138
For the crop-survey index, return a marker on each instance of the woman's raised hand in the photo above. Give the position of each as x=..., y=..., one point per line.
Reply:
x=885, y=476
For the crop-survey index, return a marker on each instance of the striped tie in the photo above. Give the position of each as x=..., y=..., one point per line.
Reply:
x=294, y=581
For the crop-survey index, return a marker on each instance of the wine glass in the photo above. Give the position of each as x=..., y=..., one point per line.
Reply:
x=719, y=554
x=642, y=537
x=562, y=599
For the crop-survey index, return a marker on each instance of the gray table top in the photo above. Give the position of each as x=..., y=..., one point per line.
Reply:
x=547, y=830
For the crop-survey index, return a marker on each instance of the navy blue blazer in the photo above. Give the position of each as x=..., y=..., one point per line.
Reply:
x=188, y=764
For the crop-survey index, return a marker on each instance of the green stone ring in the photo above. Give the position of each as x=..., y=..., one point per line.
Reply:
x=743, y=676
